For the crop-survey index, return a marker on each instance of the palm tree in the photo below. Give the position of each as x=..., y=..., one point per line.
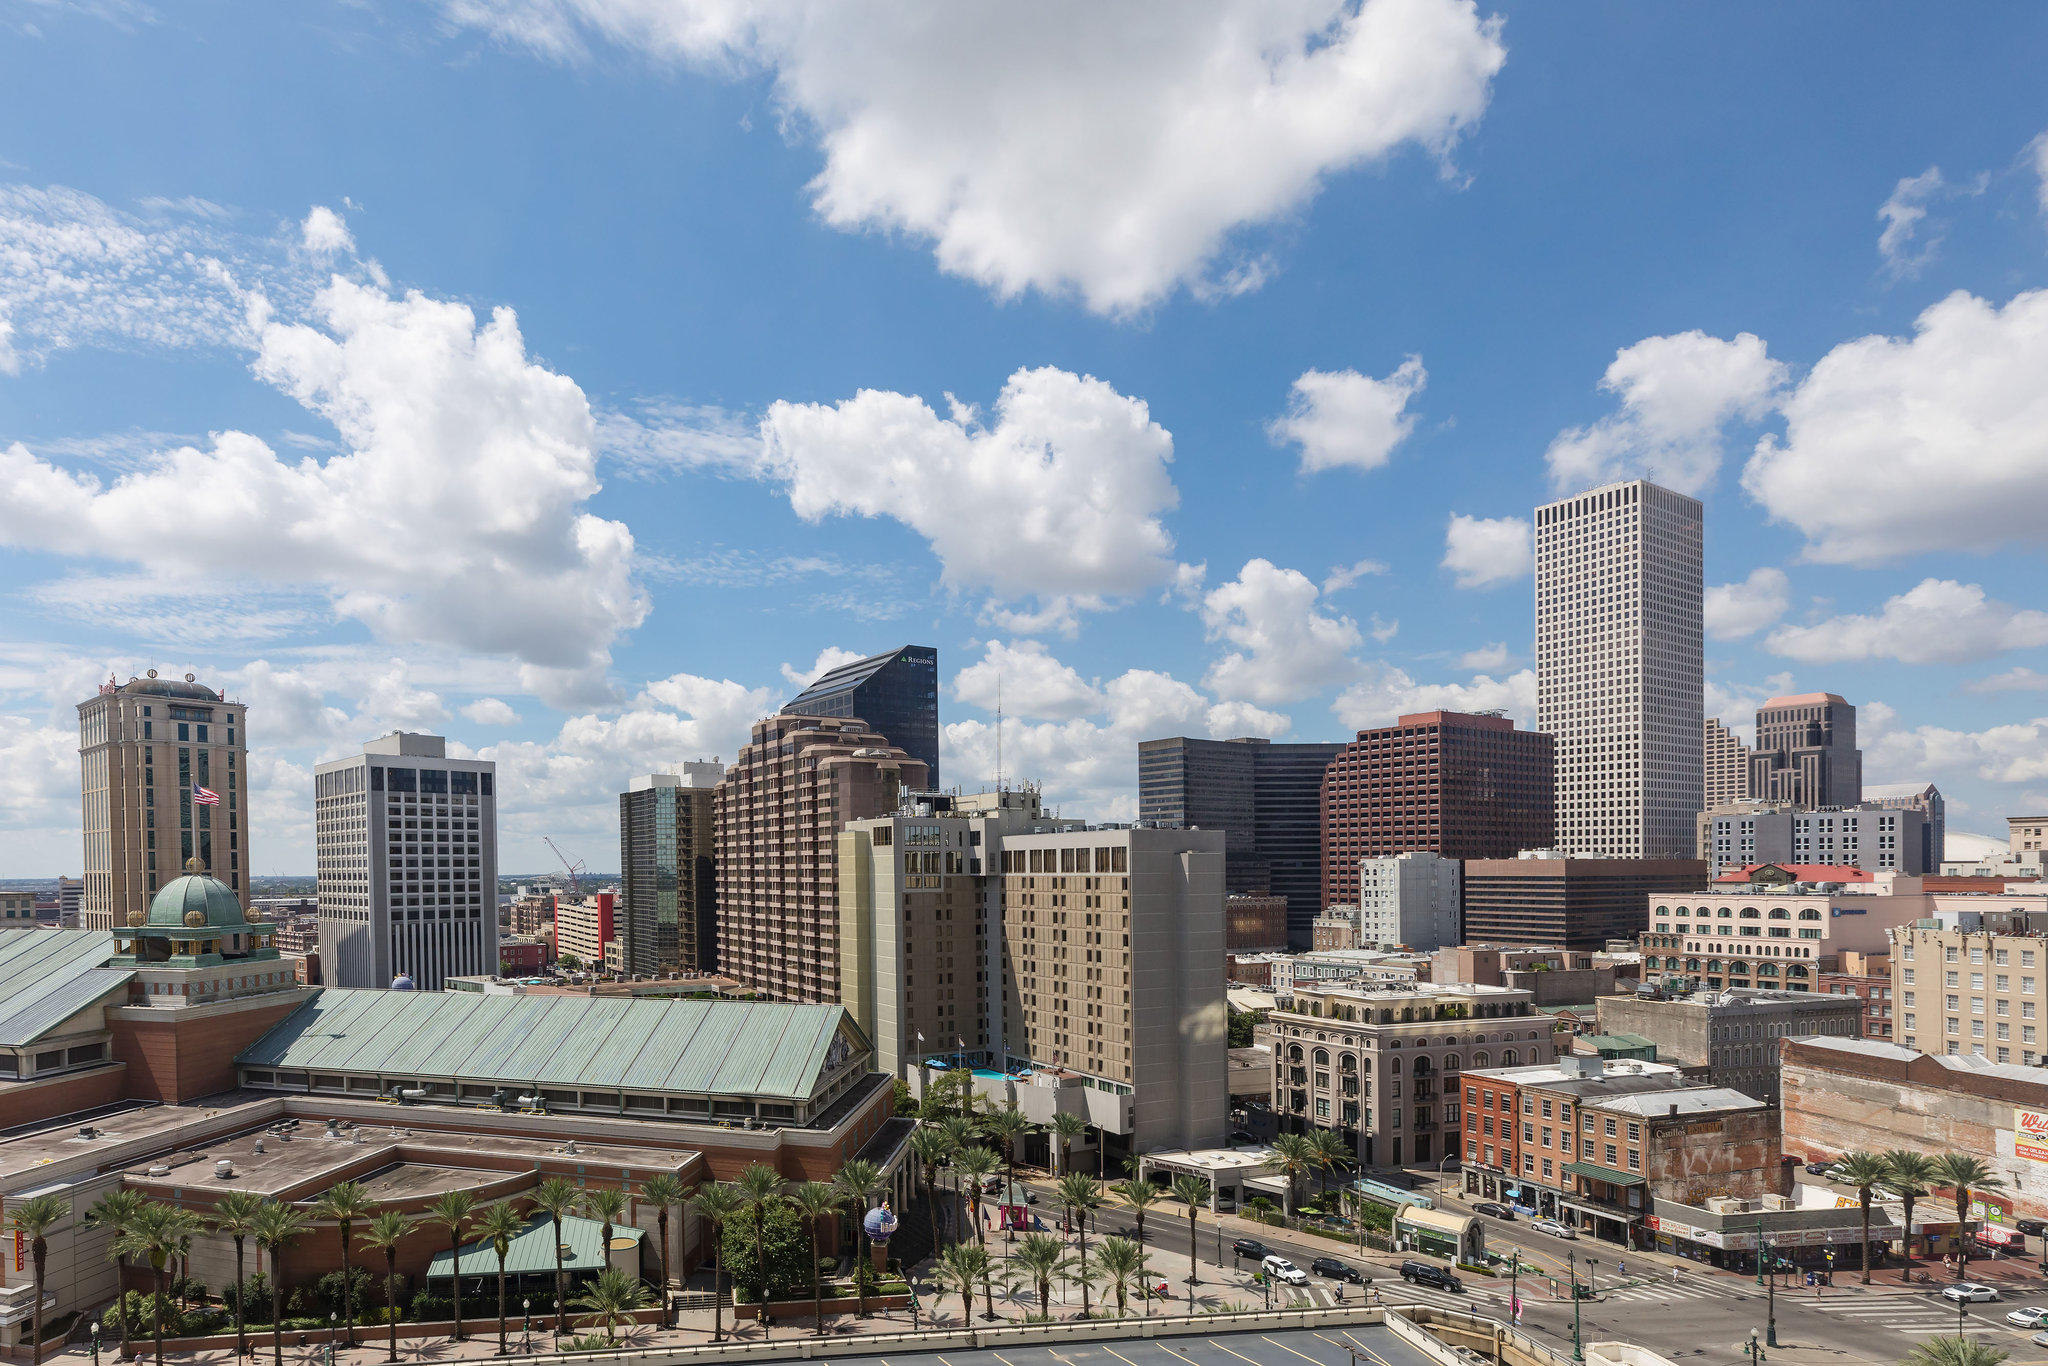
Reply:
x=608, y=1205
x=962, y=1267
x=384, y=1234
x=1865, y=1171
x=1329, y=1153
x=1294, y=1157
x=1956, y=1351
x=33, y=1219
x=1192, y=1191
x=610, y=1300
x=960, y=1136
x=976, y=1165
x=558, y=1198
x=277, y=1227
x=154, y=1236
x=1140, y=1195
x=1006, y=1127
x=859, y=1182
x=816, y=1202
x=930, y=1146
x=1910, y=1174
x=665, y=1191
x=1121, y=1263
x=1080, y=1193
x=1066, y=1128
x=760, y=1187
x=345, y=1202
x=1038, y=1255
x=717, y=1204
x=1962, y=1174
x=235, y=1215
x=452, y=1212
x=498, y=1225
x=116, y=1210
x=1083, y=1272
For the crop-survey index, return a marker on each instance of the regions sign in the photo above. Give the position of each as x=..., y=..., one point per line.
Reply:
x=2030, y=1134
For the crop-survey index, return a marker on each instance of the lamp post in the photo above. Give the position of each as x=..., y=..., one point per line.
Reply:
x=1770, y=1294
x=1962, y=1317
x=95, y=1342
x=1756, y=1350
x=1578, y=1346
x=526, y=1327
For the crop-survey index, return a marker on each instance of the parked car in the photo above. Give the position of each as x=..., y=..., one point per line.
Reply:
x=1284, y=1271
x=1553, y=1228
x=1428, y=1273
x=1242, y=1136
x=1249, y=1247
x=1497, y=1211
x=1819, y=1168
x=2036, y=1227
x=1970, y=1292
x=1335, y=1270
x=2028, y=1318
x=2039, y=1339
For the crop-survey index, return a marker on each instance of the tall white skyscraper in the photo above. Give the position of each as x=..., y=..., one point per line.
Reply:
x=1619, y=667
x=406, y=846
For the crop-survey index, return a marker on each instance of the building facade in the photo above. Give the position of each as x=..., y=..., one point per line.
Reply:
x=1620, y=667
x=1254, y=924
x=146, y=749
x=1970, y=981
x=1806, y=753
x=1572, y=903
x=1873, y=838
x=896, y=693
x=1338, y=927
x=1726, y=764
x=1449, y=783
x=668, y=872
x=1867, y=977
x=406, y=852
x=1778, y=937
x=587, y=930
x=1731, y=1038
x=1925, y=798
x=1409, y=901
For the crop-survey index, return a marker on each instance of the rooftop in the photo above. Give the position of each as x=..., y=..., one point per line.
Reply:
x=48, y=976
x=1544, y=1073
x=1802, y=872
x=1806, y=699
x=1690, y=1100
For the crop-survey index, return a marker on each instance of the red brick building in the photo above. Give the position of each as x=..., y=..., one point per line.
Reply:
x=1868, y=977
x=1254, y=923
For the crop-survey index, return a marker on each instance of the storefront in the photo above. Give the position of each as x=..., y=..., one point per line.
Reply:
x=1733, y=1246
x=1440, y=1233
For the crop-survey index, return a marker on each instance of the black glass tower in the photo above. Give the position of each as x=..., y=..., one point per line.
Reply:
x=896, y=693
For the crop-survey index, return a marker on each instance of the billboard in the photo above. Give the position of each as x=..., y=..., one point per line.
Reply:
x=2030, y=1134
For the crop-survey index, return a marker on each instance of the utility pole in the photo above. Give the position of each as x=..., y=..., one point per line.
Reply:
x=1770, y=1295
x=1578, y=1346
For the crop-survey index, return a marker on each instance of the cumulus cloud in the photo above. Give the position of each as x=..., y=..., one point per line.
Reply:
x=2019, y=678
x=1032, y=683
x=1896, y=446
x=491, y=711
x=1734, y=610
x=1486, y=659
x=1342, y=418
x=829, y=658
x=325, y=233
x=1485, y=552
x=1112, y=152
x=1286, y=648
x=1385, y=692
x=2016, y=752
x=1677, y=394
x=1343, y=576
x=1938, y=621
x=1911, y=238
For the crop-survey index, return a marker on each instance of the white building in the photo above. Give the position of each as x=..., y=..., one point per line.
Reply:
x=1408, y=901
x=1619, y=668
x=406, y=848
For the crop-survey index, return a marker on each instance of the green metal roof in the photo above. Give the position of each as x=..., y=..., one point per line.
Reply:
x=1607, y=1174
x=210, y=900
x=48, y=976
x=533, y=1251
x=767, y=1049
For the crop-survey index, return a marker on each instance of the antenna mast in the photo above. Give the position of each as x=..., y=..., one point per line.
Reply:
x=999, y=732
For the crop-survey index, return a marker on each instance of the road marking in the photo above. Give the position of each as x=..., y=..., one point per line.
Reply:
x=1164, y=1348
x=1285, y=1348
x=1221, y=1348
x=1367, y=1350
x=998, y=1356
x=1118, y=1355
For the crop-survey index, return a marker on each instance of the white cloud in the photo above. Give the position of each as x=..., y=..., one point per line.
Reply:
x=1485, y=552
x=659, y=435
x=1115, y=152
x=1734, y=610
x=491, y=711
x=1342, y=418
x=829, y=658
x=1343, y=576
x=2019, y=678
x=1736, y=703
x=1897, y=446
x=1677, y=393
x=2011, y=753
x=1061, y=497
x=1938, y=621
x=325, y=233
x=10, y=362
x=2037, y=153
x=1486, y=659
x=1910, y=237
x=1033, y=684
x=1382, y=629
x=1386, y=692
x=1286, y=648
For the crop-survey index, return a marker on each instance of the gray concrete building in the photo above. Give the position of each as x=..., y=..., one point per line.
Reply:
x=1874, y=838
x=1409, y=901
x=1730, y=1038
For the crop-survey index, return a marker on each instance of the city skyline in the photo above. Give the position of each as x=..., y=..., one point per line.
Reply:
x=1325, y=404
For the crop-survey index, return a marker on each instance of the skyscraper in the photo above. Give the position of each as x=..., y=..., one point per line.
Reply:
x=406, y=847
x=1806, y=752
x=1265, y=798
x=149, y=750
x=1619, y=667
x=669, y=880
x=896, y=693
x=1726, y=761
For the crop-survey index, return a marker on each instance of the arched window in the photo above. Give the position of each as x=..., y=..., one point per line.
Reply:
x=1422, y=1067
x=1482, y=1059
x=1660, y=910
x=1294, y=1053
x=1451, y=1062
x=1809, y=913
x=1692, y=965
x=1779, y=913
x=1395, y=1067
x=1650, y=963
x=1348, y=1061
x=1507, y=1057
x=1751, y=913
x=1767, y=969
x=1795, y=971
x=1322, y=1057
x=1724, y=913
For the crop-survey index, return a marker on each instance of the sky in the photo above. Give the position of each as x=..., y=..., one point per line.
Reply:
x=577, y=378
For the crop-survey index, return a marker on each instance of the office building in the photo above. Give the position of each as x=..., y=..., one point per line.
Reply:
x=1726, y=761
x=896, y=693
x=1338, y=927
x=1552, y=977
x=1570, y=903
x=406, y=849
x=1872, y=838
x=1731, y=1038
x=1440, y=782
x=1925, y=798
x=777, y=815
x=1266, y=798
x=668, y=916
x=18, y=908
x=1408, y=901
x=148, y=750
x=1769, y=932
x=587, y=930
x=2027, y=834
x=1620, y=668
x=70, y=902
x=1969, y=980
x=1254, y=924
x=1806, y=753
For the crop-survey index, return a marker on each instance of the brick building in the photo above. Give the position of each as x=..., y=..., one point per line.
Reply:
x=1867, y=977
x=1573, y=903
x=1255, y=924
x=1730, y=1038
x=1759, y=932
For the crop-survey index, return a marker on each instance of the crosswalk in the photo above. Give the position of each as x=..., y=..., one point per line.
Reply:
x=1918, y=1317
x=1668, y=1292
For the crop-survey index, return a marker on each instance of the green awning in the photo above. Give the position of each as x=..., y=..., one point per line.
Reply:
x=533, y=1251
x=1600, y=1173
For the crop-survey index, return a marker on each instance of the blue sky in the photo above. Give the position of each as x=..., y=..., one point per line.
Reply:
x=567, y=375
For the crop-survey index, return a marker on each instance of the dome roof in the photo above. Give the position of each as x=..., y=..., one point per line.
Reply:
x=164, y=687
x=209, y=899
x=402, y=983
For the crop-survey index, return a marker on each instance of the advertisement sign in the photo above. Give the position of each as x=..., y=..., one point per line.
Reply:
x=2030, y=1134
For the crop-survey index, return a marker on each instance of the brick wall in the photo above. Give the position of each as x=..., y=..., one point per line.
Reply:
x=1734, y=1154
x=178, y=1055
x=30, y=1102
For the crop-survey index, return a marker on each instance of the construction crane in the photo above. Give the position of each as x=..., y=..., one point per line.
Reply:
x=574, y=868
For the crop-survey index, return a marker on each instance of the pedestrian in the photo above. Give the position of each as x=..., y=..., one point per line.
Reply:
x=1621, y=1268
x=1674, y=1275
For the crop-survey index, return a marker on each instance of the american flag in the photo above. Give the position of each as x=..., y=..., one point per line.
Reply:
x=205, y=796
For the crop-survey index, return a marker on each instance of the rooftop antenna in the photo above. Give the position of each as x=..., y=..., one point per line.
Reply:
x=999, y=732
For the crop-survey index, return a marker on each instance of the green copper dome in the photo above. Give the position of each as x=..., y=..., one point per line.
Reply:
x=195, y=901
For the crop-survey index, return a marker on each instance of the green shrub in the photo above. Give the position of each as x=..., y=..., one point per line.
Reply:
x=786, y=1243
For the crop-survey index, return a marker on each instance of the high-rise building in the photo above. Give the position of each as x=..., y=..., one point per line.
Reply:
x=1570, y=903
x=1726, y=761
x=777, y=815
x=669, y=872
x=1925, y=798
x=896, y=693
x=149, y=752
x=1620, y=667
x=1873, y=838
x=1266, y=799
x=406, y=849
x=1408, y=900
x=1440, y=782
x=1806, y=752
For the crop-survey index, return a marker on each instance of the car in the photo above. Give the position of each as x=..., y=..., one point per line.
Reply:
x=1284, y=1271
x=2028, y=1318
x=1969, y=1292
x=1335, y=1270
x=1819, y=1168
x=1249, y=1247
x=2039, y=1339
x=1554, y=1229
x=1426, y=1273
x=1242, y=1136
x=1497, y=1211
x=2036, y=1227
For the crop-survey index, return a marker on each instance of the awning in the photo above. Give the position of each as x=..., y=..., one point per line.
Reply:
x=1599, y=1173
x=533, y=1251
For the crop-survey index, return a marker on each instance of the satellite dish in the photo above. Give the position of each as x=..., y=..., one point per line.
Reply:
x=152, y=673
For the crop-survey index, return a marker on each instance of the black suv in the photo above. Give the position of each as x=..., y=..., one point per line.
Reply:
x=1335, y=1270
x=1250, y=1247
x=1423, y=1273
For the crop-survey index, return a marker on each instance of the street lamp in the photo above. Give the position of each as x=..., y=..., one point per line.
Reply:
x=526, y=1327
x=1756, y=1350
x=1592, y=1275
x=1578, y=1346
x=1771, y=1294
x=95, y=1342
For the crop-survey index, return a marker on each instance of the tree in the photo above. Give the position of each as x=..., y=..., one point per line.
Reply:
x=278, y=1226
x=1192, y=1191
x=760, y=1186
x=114, y=1212
x=33, y=1219
x=451, y=1211
x=384, y=1234
x=608, y=1205
x=1329, y=1153
x=610, y=1300
x=1243, y=1027
x=961, y=1267
x=781, y=1269
x=1121, y=1264
x=1006, y=1127
x=665, y=1191
x=235, y=1215
x=1140, y=1195
x=976, y=1166
x=717, y=1204
x=1038, y=1255
x=1962, y=1173
x=1080, y=1194
x=345, y=1203
x=816, y=1202
x=1910, y=1174
x=1956, y=1351
x=1294, y=1157
x=858, y=1183
x=931, y=1148
x=497, y=1226
x=154, y=1236
x=1865, y=1171
x=568, y=962
x=1067, y=1127
x=557, y=1198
